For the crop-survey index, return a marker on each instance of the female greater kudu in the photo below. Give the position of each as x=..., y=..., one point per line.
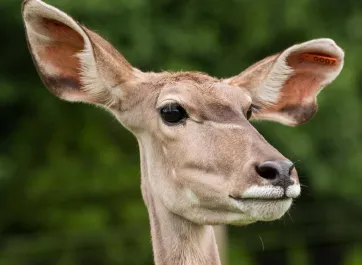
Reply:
x=202, y=162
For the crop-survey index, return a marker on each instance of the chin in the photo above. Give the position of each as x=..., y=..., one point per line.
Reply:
x=261, y=210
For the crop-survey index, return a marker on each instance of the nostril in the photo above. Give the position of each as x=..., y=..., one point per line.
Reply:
x=268, y=171
x=278, y=172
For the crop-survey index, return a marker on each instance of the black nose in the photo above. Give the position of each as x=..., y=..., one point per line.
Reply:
x=277, y=172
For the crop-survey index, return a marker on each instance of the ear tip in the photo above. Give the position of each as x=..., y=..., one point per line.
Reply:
x=34, y=10
x=328, y=44
x=331, y=42
x=28, y=4
x=24, y=5
x=33, y=6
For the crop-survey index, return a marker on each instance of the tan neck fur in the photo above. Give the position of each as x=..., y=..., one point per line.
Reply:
x=176, y=240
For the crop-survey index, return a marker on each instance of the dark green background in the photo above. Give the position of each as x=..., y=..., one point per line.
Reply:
x=69, y=173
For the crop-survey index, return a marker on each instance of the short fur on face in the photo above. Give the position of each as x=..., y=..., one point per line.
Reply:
x=196, y=167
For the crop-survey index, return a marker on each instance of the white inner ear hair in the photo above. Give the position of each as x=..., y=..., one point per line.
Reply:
x=89, y=76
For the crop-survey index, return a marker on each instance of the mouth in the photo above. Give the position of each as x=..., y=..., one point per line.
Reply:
x=264, y=203
x=284, y=198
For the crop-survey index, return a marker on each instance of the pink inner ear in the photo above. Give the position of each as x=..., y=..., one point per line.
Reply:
x=301, y=88
x=309, y=77
x=298, y=95
x=61, y=32
x=58, y=53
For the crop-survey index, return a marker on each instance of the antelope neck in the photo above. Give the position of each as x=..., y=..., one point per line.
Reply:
x=176, y=240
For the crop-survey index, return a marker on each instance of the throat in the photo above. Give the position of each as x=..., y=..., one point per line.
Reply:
x=175, y=240
x=178, y=241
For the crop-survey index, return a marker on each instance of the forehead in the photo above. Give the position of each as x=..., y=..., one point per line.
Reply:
x=198, y=89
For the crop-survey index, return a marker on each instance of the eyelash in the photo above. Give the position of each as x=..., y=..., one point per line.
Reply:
x=252, y=109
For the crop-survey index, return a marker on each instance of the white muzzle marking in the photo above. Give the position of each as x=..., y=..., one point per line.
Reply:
x=271, y=192
x=293, y=191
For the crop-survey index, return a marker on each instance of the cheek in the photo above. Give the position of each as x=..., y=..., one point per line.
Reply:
x=202, y=164
x=215, y=152
x=188, y=180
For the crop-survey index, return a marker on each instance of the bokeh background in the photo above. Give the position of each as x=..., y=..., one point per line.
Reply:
x=69, y=173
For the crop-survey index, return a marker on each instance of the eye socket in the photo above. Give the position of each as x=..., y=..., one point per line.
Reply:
x=249, y=112
x=173, y=114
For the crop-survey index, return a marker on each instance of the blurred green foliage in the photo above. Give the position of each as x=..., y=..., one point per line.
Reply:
x=69, y=174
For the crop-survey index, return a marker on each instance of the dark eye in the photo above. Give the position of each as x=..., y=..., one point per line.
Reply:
x=249, y=112
x=173, y=114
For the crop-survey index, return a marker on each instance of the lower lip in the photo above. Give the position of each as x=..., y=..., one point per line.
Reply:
x=262, y=199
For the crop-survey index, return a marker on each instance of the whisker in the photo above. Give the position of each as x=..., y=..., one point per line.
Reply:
x=284, y=222
x=262, y=243
x=296, y=161
x=290, y=216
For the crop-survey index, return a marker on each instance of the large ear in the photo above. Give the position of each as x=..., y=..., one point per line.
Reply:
x=284, y=86
x=74, y=63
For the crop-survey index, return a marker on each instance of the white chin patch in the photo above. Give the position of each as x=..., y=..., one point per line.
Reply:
x=269, y=210
x=260, y=210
